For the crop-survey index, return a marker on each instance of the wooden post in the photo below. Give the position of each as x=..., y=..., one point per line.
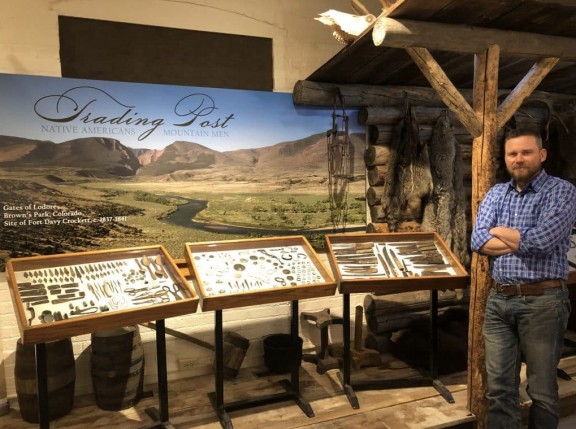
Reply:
x=484, y=152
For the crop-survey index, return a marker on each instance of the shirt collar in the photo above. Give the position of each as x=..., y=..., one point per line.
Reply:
x=535, y=184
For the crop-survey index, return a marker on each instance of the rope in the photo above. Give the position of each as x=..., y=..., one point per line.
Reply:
x=338, y=147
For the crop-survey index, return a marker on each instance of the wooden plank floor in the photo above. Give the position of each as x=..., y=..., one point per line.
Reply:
x=403, y=408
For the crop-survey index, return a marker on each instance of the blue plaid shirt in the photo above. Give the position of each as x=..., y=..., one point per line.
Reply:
x=544, y=213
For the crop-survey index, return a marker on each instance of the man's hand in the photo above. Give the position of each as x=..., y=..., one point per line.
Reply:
x=505, y=241
x=495, y=247
x=509, y=236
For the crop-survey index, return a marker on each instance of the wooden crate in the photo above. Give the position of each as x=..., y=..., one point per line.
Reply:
x=373, y=277
x=90, y=291
x=239, y=273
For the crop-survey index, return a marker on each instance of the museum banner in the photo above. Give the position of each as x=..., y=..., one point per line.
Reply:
x=88, y=164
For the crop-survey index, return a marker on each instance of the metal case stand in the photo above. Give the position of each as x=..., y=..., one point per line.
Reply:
x=387, y=277
x=430, y=379
x=291, y=386
x=160, y=417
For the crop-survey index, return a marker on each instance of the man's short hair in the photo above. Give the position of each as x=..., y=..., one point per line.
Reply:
x=520, y=132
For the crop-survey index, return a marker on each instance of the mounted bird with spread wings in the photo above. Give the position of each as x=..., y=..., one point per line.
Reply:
x=347, y=27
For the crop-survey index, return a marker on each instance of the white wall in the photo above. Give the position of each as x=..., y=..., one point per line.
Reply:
x=29, y=28
x=29, y=45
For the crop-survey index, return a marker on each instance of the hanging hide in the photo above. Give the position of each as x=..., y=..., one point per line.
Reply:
x=460, y=221
x=389, y=175
x=445, y=210
x=413, y=180
x=440, y=205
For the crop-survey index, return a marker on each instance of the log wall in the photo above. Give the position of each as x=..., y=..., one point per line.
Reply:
x=380, y=123
x=381, y=109
x=388, y=314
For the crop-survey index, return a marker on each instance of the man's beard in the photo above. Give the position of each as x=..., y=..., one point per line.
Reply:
x=524, y=173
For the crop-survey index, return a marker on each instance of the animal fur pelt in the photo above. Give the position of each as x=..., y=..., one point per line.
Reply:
x=439, y=207
x=413, y=180
x=445, y=210
x=460, y=223
x=388, y=185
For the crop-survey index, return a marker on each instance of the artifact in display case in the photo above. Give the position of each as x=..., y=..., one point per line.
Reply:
x=393, y=262
x=64, y=295
x=237, y=273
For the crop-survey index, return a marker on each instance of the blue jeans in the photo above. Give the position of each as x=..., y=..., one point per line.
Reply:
x=529, y=328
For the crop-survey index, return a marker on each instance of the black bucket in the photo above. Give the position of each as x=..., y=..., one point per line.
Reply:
x=279, y=354
x=61, y=377
x=117, y=363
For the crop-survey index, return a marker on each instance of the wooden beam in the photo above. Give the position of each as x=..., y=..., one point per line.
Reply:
x=310, y=93
x=524, y=88
x=484, y=153
x=446, y=90
x=405, y=33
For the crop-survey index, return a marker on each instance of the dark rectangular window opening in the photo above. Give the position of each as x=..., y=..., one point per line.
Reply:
x=116, y=51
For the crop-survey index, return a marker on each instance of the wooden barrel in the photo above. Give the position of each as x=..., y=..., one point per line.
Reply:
x=117, y=366
x=61, y=377
x=235, y=348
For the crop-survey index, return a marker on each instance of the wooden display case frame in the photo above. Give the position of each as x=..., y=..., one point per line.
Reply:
x=111, y=318
x=390, y=285
x=238, y=260
x=384, y=283
x=326, y=287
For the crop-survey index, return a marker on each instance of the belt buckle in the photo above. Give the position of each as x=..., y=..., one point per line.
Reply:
x=506, y=287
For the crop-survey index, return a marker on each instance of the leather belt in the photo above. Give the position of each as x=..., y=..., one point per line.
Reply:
x=527, y=289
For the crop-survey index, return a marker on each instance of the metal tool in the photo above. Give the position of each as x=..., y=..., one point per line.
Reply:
x=174, y=291
x=33, y=292
x=384, y=264
x=394, y=271
x=32, y=313
x=398, y=267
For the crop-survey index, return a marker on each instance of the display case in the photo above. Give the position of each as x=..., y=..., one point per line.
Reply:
x=238, y=273
x=388, y=263
x=60, y=296
x=393, y=262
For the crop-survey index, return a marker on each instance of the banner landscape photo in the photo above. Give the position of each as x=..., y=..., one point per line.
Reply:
x=88, y=165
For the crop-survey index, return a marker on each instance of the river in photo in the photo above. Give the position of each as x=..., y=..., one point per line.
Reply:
x=185, y=214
